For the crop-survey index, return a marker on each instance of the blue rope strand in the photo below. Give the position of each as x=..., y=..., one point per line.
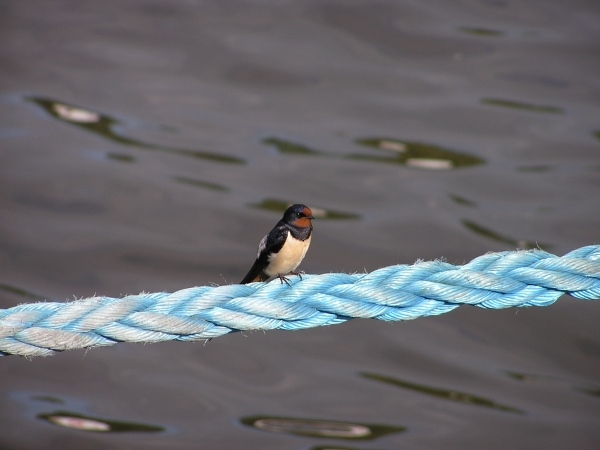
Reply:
x=394, y=293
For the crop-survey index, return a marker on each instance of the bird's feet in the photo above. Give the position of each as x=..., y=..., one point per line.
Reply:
x=286, y=280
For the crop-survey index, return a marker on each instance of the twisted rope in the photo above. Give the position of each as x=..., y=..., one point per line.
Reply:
x=402, y=292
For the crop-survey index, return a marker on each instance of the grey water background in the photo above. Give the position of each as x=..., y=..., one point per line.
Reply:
x=149, y=145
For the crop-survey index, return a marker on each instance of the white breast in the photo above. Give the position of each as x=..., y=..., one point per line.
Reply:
x=289, y=257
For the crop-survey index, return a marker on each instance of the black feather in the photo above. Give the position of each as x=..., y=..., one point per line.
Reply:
x=274, y=242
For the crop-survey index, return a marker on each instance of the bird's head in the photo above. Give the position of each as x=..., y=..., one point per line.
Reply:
x=298, y=216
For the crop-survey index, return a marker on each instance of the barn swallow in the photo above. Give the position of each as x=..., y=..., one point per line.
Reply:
x=282, y=250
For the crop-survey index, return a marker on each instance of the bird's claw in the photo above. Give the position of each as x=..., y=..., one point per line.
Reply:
x=286, y=280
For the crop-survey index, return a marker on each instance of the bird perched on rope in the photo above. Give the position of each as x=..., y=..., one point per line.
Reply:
x=282, y=250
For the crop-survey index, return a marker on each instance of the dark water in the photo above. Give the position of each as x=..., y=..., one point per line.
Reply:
x=148, y=146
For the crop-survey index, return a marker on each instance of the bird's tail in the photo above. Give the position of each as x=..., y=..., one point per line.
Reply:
x=255, y=274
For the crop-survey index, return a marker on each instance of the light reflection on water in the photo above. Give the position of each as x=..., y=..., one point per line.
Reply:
x=75, y=421
x=321, y=428
x=271, y=204
x=447, y=394
x=417, y=154
x=555, y=381
x=410, y=154
x=37, y=406
x=496, y=236
x=107, y=127
x=522, y=106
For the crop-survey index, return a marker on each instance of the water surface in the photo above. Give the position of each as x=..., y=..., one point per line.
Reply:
x=148, y=146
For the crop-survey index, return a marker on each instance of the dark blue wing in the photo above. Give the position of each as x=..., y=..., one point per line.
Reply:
x=271, y=243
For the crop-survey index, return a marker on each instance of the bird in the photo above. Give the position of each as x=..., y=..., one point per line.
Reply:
x=282, y=250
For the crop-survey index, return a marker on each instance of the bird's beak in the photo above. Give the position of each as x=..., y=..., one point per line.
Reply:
x=310, y=217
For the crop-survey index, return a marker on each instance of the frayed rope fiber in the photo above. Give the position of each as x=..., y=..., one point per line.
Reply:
x=394, y=293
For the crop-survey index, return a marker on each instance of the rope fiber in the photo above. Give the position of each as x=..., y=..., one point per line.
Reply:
x=394, y=293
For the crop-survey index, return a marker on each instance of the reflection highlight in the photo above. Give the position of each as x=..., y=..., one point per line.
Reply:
x=105, y=126
x=485, y=32
x=320, y=428
x=276, y=205
x=521, y=106
x=496, y=237
x=201, y=184
x=416, y=154
x=20, y=292
x=121, y=157
x=591, y=390
x=80, y=422
x=462, y=201
x=455, y=396
x=291, y=148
